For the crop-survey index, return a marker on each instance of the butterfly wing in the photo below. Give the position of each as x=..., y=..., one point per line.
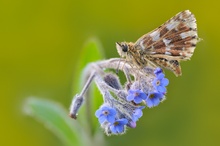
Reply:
x=171, y=42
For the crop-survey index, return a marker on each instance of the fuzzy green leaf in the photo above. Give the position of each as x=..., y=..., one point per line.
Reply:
x=56, y=119
x=91, y=52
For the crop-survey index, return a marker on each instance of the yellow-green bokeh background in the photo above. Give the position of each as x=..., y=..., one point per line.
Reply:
x=39, y=43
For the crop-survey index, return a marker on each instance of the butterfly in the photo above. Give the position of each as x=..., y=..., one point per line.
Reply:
x=165, y=46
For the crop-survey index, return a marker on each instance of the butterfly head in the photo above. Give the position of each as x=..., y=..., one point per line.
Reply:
x=122, y=48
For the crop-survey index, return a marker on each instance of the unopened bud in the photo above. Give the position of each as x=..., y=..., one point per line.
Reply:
x=112, y=80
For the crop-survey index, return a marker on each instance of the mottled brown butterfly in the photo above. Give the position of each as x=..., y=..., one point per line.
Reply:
x=166, y=46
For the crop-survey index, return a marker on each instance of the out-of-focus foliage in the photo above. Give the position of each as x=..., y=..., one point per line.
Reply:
x=84, y=131
x=40, y=43
x=54, y=117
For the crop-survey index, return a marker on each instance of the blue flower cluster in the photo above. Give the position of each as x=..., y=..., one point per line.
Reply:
x=107, y=115
x=115, y=117
x=153, y=97
x=159, y=84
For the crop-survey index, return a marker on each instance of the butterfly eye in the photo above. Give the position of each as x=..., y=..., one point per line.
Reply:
x=124, y=48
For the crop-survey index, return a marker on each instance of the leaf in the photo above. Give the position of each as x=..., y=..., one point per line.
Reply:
x=55, y=118
x=91, y=52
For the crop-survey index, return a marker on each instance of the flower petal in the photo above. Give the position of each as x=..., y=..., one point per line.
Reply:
x=130, y=97
x=98, y=113
x=138, y=113
x=160, y=76
x=160, y=95
x=105, y=108
x=138, y=100
x=165, y=81
x=143, y=96
x=149, y=102
x=111, y=119
x=161, y=89
x=155, y=101
x=112, y=112
x=131, y=91
x=119, y=128
x=102, y=119
x=112, y=128
x=123, y=121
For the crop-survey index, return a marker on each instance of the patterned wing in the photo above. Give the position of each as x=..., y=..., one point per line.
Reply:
x=175, y=40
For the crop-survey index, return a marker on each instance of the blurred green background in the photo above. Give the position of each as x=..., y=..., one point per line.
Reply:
x=39, y=43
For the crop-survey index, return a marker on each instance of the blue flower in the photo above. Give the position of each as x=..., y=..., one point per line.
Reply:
x=136, y=95
x=106, y=113
x=137, y=113
x=160, y=83
x=118, y=126
x=157, y=71
x=154, y=98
